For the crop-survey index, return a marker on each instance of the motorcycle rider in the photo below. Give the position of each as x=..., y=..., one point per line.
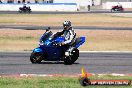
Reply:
x=68, y=32
x=24, y=6
x=69, y=36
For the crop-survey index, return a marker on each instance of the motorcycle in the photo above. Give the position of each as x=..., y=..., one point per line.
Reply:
x=49, y=49
x=117, y=8
x=25, y=9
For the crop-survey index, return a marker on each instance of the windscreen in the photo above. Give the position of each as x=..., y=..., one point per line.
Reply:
x=46, y=36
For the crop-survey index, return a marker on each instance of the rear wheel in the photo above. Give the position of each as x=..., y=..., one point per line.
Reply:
x=112, y=10
x=72, y=57
x=36, y=57
x=121, y=10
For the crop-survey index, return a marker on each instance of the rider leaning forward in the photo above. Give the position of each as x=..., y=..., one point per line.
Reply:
x=68, y=33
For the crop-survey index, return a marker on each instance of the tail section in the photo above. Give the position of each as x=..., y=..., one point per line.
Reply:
x=80, y=41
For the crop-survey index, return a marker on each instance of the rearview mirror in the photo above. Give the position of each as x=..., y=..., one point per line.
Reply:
x=48, y=29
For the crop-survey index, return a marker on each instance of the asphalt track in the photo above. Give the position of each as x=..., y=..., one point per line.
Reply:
x=31, y=27
x=65, y=12
x=19, y=63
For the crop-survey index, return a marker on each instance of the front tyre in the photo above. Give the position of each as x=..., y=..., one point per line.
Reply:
x=20, y=11
x=36, y=57
x=28, y=11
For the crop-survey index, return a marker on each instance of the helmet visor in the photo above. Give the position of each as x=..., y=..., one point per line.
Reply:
x=65, y=25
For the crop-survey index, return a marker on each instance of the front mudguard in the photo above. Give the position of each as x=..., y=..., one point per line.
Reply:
x=39, y=50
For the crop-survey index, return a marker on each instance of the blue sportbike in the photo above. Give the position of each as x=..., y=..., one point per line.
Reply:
x=50, y=50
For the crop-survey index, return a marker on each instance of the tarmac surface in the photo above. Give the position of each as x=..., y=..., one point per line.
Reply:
x=65, y=12
x=31, y=27
x=107, y=62
x=126, y=13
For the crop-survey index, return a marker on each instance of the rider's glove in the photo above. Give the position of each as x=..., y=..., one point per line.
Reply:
x=62, y=43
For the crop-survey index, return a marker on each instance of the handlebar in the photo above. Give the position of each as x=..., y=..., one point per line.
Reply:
x=54, y=43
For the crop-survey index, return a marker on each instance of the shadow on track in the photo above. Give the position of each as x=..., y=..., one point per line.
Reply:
x=54, y=62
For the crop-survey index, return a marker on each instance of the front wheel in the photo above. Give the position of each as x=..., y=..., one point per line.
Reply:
x=20, y=11
x=36, y=57
x=29, y=11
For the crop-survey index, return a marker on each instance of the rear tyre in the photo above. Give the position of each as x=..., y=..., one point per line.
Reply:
x=36, y=57
x=74, y=54
x=112, y=10
x=121, y=10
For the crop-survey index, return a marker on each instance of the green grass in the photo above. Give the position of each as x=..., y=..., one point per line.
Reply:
x=53, y=82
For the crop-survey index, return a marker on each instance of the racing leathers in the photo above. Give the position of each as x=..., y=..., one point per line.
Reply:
x=69, y=36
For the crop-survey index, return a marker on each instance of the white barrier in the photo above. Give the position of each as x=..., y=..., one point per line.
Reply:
x=41, y=7
x=108, y=5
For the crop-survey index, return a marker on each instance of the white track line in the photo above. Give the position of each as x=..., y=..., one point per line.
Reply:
x=105, y=51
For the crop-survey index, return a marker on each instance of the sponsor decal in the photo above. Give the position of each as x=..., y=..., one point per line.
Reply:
x=85, y=80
